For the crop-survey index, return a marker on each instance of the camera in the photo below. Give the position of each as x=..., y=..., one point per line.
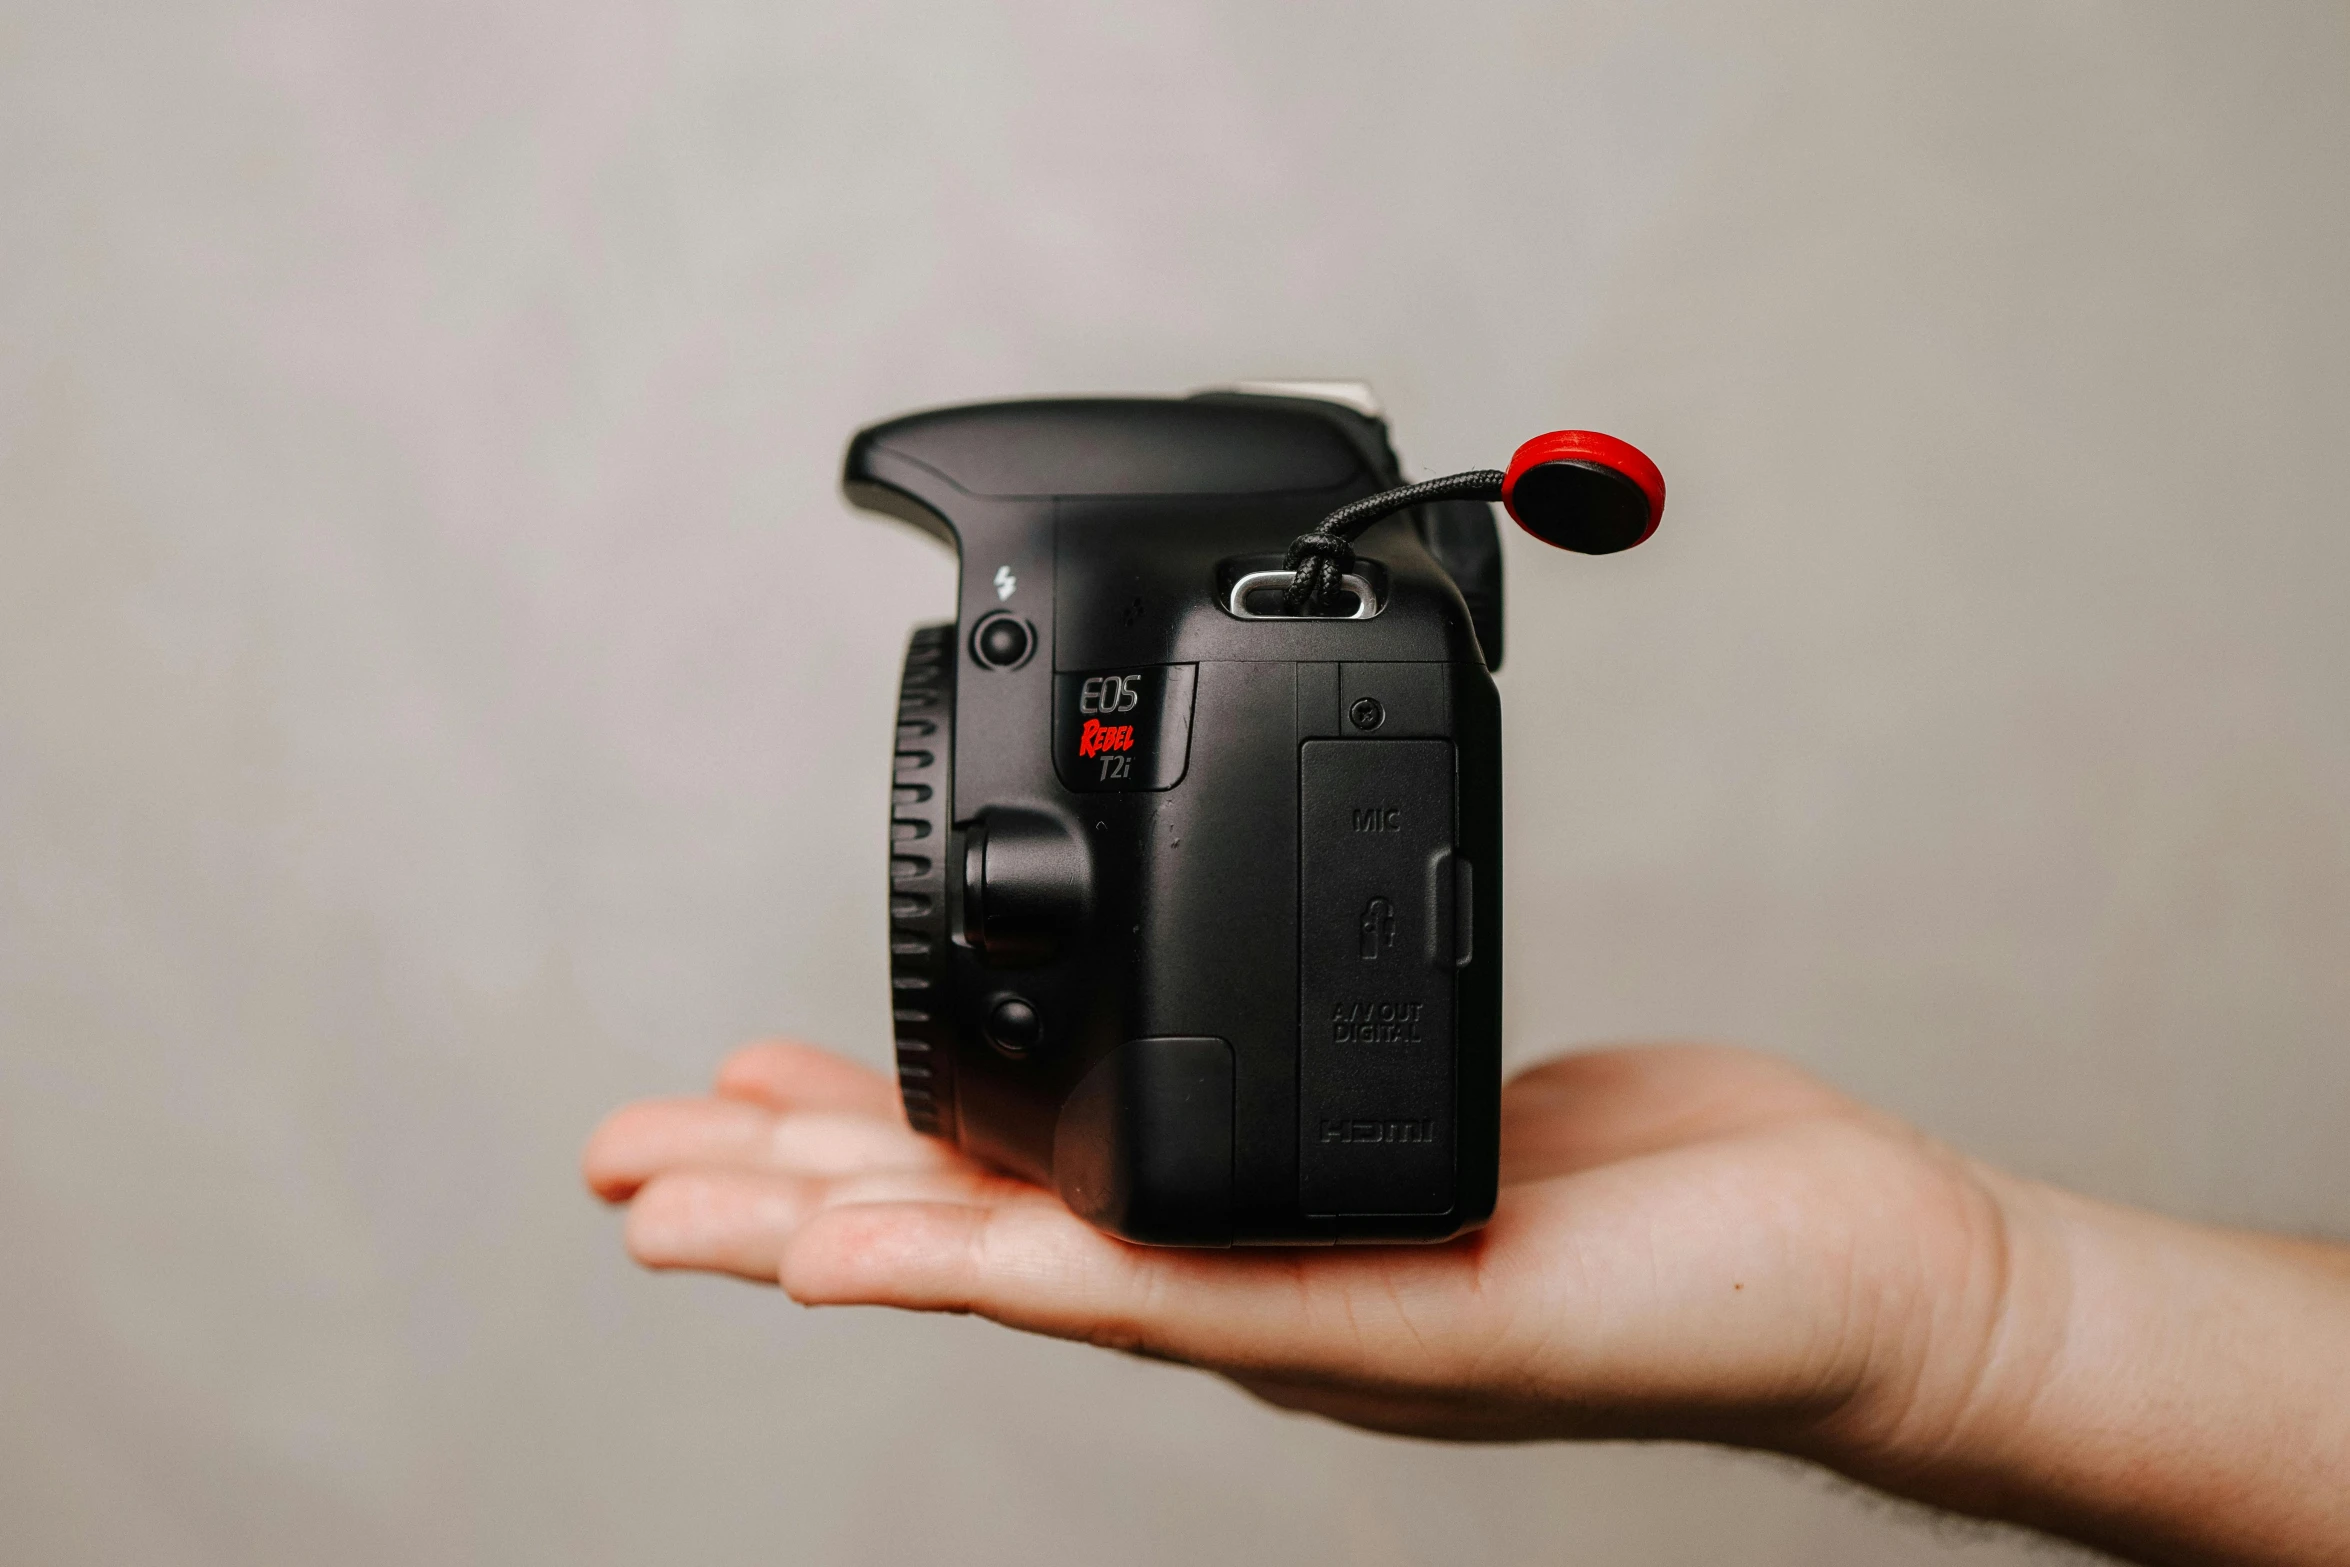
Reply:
x=1195, y=827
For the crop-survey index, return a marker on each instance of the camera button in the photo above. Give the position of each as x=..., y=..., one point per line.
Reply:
x=1002, y=642
x=1014, y=1027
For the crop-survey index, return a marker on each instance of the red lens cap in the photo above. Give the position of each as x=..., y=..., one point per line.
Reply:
x=1583, y=491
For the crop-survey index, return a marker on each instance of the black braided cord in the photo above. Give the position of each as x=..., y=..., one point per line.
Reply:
x=1325, y=553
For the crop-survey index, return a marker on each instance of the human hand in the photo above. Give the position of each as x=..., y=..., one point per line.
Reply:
x=1688, y=1241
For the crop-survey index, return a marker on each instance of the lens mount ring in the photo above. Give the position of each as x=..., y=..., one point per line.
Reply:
x=920, y=811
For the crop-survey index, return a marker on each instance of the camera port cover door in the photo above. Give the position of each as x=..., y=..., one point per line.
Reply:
x=1375, y=977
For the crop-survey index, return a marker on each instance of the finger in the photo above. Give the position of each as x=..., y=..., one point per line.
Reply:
x=1034, y=1265
x=739, y=1221
x=718, y=1221
x=636, y=1142
x=639, y=1141
x=786, y=1075
x=1579, y=1111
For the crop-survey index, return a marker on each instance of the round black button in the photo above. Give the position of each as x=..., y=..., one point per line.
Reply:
x=1013, y=1027
x=1367, y=713
x=1002, y=641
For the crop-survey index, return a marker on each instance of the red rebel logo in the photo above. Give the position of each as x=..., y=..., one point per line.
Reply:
x=1097, y=737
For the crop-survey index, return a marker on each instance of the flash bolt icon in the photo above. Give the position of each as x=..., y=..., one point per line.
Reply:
x=1005, y=582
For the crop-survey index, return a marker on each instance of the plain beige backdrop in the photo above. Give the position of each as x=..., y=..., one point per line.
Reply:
x=442, y=693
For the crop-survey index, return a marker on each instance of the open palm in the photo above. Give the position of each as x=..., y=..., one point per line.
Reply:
x=1688, y=1241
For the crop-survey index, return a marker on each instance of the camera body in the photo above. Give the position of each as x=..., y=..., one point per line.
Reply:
x=1195, y=902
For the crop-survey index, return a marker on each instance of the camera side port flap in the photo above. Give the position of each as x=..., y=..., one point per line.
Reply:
x=1377, y=935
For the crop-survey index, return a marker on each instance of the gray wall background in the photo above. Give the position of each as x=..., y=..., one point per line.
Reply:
x=441, y=693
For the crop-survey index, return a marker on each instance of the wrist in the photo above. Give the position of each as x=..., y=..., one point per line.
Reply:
x=1958, y=1402
x=2164, y=1389
x=1959, y=1344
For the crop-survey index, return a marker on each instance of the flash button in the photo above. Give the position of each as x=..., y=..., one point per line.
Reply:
x=1002, y=642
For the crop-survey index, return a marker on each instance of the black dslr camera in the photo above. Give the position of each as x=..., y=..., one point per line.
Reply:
x=1195, y=829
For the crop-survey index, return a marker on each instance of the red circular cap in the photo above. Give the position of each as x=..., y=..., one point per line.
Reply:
x=1592, y=447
